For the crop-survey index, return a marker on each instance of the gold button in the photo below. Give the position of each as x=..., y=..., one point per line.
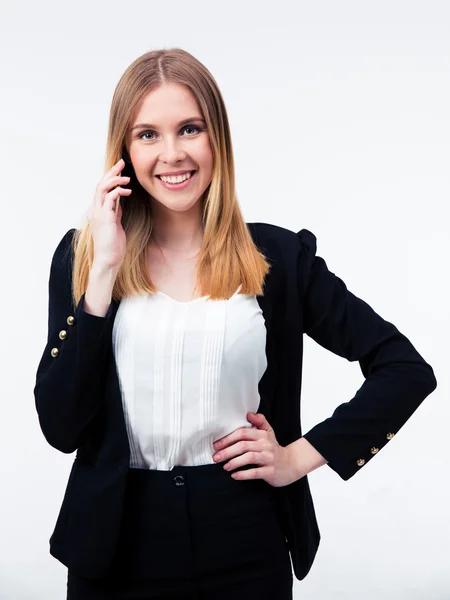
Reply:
x=360, y=462
x=55, y=352
x=70, y=320
x=63, y=334
x=374, y=450
x=390, y=436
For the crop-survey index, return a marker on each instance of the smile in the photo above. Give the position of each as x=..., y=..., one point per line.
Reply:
x=178, y=186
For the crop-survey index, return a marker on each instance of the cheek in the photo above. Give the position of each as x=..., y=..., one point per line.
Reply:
x=139, y=161
x=206, y=157
x=142, y=165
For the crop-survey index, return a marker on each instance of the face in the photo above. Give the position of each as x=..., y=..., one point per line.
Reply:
x=159, y=143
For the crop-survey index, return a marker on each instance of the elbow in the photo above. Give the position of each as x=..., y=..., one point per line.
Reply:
x=433, y=382
x=61, y=445
x=57, y=438
x=429, y=379
x=57, y=432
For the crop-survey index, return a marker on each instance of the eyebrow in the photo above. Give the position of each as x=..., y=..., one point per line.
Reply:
x=183, y=122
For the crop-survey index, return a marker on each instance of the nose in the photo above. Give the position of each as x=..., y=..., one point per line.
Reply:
x=172, y=151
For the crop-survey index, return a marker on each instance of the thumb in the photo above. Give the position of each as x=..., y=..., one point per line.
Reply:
x=258, y=419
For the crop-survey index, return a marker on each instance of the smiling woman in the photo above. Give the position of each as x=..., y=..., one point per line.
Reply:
x=173, y=324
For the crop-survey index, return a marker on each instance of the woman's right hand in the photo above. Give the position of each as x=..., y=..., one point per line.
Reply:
x=104, y=217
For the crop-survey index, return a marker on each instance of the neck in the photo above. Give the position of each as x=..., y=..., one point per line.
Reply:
x=177, y=231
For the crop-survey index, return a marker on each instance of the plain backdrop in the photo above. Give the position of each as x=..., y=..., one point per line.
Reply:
x=339, y=115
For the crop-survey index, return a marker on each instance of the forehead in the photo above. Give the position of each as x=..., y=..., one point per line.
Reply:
x=167, y=103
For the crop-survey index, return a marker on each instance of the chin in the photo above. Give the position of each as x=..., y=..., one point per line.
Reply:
x=176, y=205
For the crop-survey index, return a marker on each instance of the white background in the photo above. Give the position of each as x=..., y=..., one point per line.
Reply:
x=339, y=115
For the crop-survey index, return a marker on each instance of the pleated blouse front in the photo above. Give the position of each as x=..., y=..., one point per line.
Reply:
x=188, y=373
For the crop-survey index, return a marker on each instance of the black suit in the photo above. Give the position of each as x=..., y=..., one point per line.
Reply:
x=80, y=407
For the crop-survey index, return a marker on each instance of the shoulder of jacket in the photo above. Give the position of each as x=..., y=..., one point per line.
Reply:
x=267, y=232
x=63, y=250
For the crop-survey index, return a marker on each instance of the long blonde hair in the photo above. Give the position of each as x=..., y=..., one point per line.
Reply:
x=228, y=256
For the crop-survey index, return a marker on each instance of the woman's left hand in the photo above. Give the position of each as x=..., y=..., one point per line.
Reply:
x=258, y=447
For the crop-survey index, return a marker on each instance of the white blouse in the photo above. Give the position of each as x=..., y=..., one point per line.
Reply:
x=188, y=373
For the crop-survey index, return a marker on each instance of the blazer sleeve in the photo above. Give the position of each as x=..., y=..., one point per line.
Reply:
x=71, y=372
x=397, y=378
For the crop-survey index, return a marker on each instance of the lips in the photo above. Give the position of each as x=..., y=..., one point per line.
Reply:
x=178, y=187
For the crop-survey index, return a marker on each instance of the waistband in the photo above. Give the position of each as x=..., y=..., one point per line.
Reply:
x=200, y=478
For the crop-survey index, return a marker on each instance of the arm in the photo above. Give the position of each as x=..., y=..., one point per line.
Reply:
x=397, y=378
x=70, y=374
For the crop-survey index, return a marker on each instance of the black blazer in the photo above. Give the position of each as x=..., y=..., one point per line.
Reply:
x=79, y=403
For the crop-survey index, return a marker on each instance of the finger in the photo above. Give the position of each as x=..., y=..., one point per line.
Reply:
x=111, y=202
x=244, y=459
x=116, y=168
x=238, y=450
x=105, y=185
x=235, y=432
x=244, y=433
x=249, y=474
x=112, y=199
x=109, y=182
x=249, y=458
x=113, y=173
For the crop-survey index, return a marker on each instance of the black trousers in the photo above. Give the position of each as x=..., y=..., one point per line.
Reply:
x=195, y=533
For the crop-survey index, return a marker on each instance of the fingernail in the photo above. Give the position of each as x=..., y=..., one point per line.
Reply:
x=217, y=444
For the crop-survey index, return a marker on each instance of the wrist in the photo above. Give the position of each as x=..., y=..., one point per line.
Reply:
x=97, y=299
x=102, y=272
x=304, y=457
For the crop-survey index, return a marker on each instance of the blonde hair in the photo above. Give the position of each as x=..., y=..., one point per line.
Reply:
x=228, y=256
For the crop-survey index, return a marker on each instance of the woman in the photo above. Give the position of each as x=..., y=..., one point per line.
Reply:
x=173, y=325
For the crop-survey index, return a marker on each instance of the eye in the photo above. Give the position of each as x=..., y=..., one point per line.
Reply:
x=140, y=136
x=191, y=127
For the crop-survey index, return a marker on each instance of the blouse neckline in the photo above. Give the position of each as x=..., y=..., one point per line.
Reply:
x=186, y=302
x=159, y=293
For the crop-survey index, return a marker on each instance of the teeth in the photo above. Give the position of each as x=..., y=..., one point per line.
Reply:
x=177, y=179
